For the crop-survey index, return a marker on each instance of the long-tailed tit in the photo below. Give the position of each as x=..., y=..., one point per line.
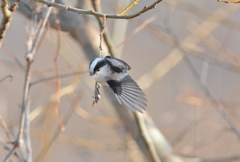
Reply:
x=112, y=72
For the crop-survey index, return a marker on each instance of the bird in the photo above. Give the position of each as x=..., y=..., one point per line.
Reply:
x=112, y=72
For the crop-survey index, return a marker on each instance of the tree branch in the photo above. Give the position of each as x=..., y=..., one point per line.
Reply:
x=91, y=12
x=31, y=49
x=229, y=1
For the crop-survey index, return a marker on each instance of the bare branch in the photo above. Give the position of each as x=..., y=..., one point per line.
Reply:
x=27, y=133
x=135, y=2
x=54, y=77
x=229, y=1
x=138, y=29
x=6, y=77
x=230, y=158
x=32, y=51
x=32, y=45
x=91, y=12
x=58, y=82
x=15, y=59
x=147, y=137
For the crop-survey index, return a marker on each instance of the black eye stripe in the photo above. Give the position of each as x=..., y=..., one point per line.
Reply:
x=99, y=65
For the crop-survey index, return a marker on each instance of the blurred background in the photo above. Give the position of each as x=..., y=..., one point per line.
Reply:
x=184, y=55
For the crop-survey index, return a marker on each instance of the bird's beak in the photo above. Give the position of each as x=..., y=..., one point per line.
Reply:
x=91, y=73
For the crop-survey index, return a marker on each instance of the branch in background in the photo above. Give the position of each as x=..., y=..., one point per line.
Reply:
x=229, y=1
x=15, y=59
x=146, y=135
x=213, y=99
x=78, y=141
x=54, y=77
x=19, y=140
x=58, y=82
x=91, y=12
x=57, y=131
x=135, y=2
x=138, y=29
x=6, y=77
x=93, y=119
x=7, y=17
x=32, y=45
x=231, y=158
x=5, y=127
x=204, y=87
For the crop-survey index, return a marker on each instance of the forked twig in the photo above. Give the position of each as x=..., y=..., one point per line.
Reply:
x=29, y=58
x=91, y=12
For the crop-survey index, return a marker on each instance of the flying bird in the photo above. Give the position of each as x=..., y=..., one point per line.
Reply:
x=112, y=72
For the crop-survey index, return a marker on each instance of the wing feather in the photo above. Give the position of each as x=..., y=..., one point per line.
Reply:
x=135, y=100
x=130, y=105
x=126, y=104
x=119, y=101
x=129, y=94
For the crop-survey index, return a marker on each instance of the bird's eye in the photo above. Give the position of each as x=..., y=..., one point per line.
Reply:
x=98, y=69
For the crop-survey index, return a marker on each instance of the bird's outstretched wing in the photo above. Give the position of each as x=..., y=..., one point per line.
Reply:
x=129, y=94
x=118, y=63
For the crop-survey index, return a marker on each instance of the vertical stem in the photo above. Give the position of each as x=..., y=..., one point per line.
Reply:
x=27, y=133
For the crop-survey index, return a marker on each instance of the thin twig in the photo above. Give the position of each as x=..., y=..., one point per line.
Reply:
x=31, y=53
x=91, y=12
x=139, y=28
x=79, y=141
x=217, y=104
x=7, y=131
x=56, y=132
x=16, y=60
x=6, y=77
x=97, y=7
x=229, y=1
x=204, y=87
x=135, y=2
x=229, y=158
x=27, y=133
x=54, y=77
x=58, y=82
x=101, y=34
x=19, y=141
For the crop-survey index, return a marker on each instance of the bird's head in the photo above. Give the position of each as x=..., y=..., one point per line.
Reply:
x=98, y=69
